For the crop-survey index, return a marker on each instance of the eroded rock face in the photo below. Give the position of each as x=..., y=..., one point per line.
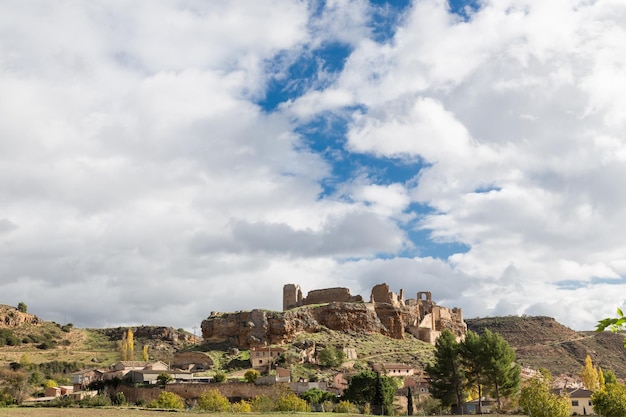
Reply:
x=256, y=328
x=11, y=317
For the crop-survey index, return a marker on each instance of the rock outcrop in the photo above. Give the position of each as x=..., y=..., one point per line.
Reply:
x=387, y=313
x=12, y=317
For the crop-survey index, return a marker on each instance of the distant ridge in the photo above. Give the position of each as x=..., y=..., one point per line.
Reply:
x=542, y=342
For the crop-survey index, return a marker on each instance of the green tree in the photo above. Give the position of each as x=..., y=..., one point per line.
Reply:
x=368, y=387
x=317, y=396
x=609, y=377
x=251, y=375
x=213, y=400
x=168, y=400
x=409, y=402
x=164, y=378
x=330, y=356
x=21, y=307
x=473, y=361
x=614, y=324
x=446, y=373
x=610, y=401
x=500, y=369
x=537, y=400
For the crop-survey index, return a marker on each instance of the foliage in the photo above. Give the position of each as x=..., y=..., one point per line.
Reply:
x=262, y=404
x=219, y=376
x=346, y=407
x=119, y=399
x=409, y=402
x=331, y=357
x=428, y=406
x=164, y=378
x=144, y=353
x=100, y=400
x=447, y=374
x=369, y=387
x=168, y=400
x=15, y=384
x=251, y=375
x=317, y=396
x=609, y=377
x=589, y=375
x=212, y=400
x=610, y=401
x=7, y=337
x=48, y=383
x=291, y=402
x=537, y=400
x=500, y=369
x=615, y=324
x=242, y=407
x=21, y=307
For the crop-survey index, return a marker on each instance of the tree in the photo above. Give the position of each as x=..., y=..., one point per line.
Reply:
x=251, y=375
x=213, y=400
x=446, y=373
x=615, y=324
x=291, y=402
x=589, y=375
x=409, y=402
x=168, y=400
x=610, y=401
x=368, y=387
x=164, y=378
x=537, y=400
x=144, y=353
x=317, y=396
x=15, y=384
x=219, y=376
x=500, y=369
x=609, y=377
x=330, y=356
x=21, y=307
x=472, y=359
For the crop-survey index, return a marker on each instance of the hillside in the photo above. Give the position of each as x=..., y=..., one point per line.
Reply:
x=543, y=342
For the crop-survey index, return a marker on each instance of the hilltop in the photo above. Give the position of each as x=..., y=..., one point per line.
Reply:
x=542, y=342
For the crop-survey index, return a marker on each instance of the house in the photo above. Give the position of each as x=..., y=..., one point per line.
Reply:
x=420, y=386
x=81, y=379
x=580, y=400
x=192, y=361
x=281, y=375
x=122, y=368
x=264, y=357
x=339, y=384
x=394, y=369
x=58, y=391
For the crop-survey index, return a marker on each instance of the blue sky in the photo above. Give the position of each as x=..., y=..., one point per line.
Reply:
x=196, y=156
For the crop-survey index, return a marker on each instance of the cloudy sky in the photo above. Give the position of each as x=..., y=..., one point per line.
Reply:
x=160, y=160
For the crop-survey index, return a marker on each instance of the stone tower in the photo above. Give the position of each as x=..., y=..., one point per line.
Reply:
x=292, y=296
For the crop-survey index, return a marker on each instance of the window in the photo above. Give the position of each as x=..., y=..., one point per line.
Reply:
x=574, y=403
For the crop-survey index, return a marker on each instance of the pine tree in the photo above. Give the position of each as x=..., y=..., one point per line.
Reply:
x=446, y=373
x=500, y=369
x=409, y=402
x=473, y=363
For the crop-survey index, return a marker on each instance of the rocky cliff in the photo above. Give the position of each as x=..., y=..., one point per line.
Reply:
x=256, y=328
x=11, y=317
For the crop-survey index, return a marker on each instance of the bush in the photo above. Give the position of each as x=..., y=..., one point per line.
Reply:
x=213, y=400
x=330, y=356
x=168, y=400
x=346, y=407
x=251, y=375
x=262, y=404
x=119, y=399
x=291, y=402
x=242, y=407
x=100, y=400
x=219, y=376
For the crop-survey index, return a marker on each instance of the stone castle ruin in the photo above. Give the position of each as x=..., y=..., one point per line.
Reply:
x=421, y=316
x=386, y=313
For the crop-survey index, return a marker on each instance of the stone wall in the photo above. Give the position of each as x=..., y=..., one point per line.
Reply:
x=292, y=296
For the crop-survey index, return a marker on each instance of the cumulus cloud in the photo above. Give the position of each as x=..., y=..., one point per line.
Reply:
x=137, y=157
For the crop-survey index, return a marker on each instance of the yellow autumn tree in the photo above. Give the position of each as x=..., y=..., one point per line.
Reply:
x=589, y=375
x=126, y=346
x=130, y=340
x=144, y=353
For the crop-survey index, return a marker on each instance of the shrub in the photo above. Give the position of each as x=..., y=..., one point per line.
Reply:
x=168, y=400
x=213, y=400
x=119, y=399
x=291, y=402
x=100, y=400
x=242, y=407
x=219, y=376
x=346, y=407
x=262, y=404
x=251, y=375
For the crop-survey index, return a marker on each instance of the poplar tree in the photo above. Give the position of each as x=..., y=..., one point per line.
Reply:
x=589, y=375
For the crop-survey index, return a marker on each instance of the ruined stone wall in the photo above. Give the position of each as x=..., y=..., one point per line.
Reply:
x=292, y=296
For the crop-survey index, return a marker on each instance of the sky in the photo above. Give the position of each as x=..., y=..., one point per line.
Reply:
x=160, y=160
